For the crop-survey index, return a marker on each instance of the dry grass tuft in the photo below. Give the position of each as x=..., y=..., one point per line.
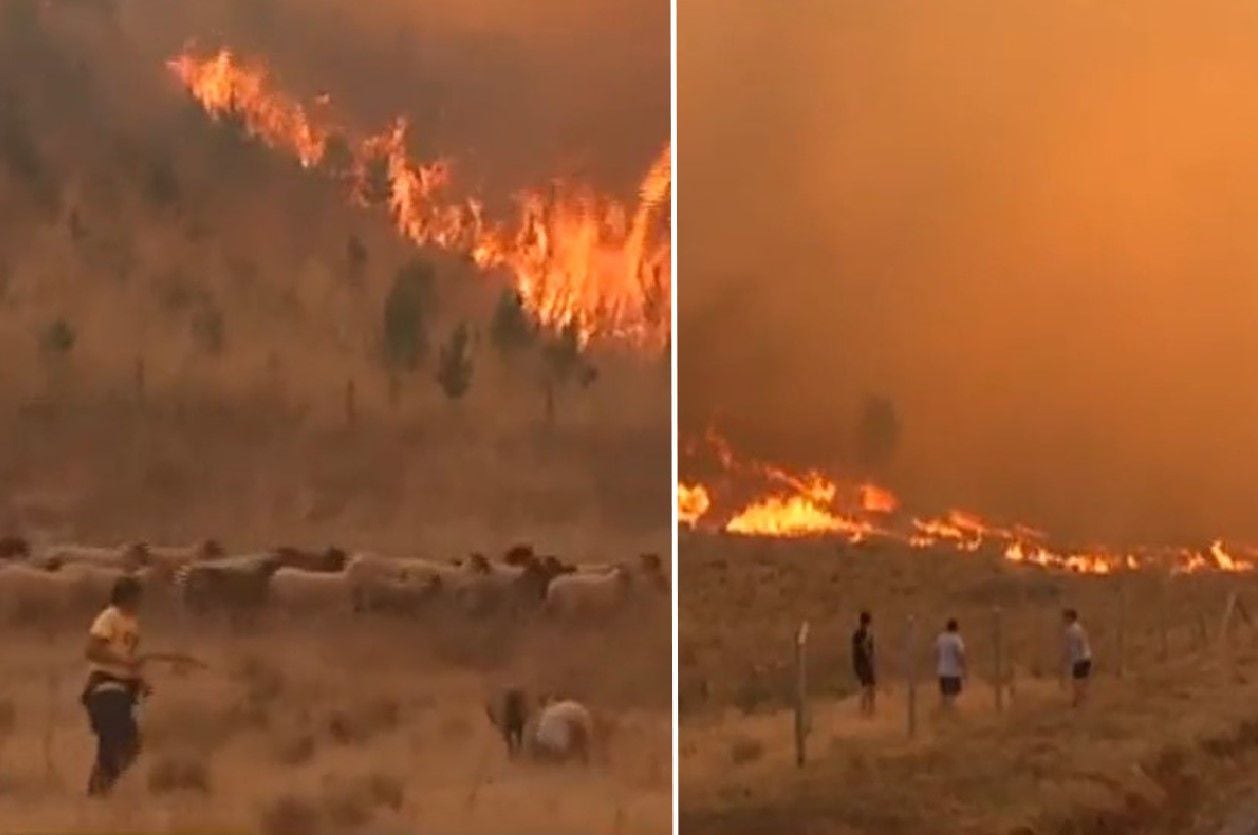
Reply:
x=355, y=802
x=171, y=773
x=294, y=746
x=746, y=750
x=8, y=719
x=291, y=815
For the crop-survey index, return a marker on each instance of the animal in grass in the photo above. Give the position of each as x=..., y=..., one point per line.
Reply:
x=230, y=584
x=508, y=711
x=330, y=559
x=394, y=584
x=592, y=595
x=128, y=557
x=297, y=591
x=550, y=730
x=29, y=594
x=517, y=584
x=562, y=730
x=167, y=560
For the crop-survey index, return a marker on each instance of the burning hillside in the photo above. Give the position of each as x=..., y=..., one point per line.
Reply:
x=577, y=259
x=748, y=497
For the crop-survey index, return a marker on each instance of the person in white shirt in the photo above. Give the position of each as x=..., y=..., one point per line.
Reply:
x=950, y=650
x=1077, y=656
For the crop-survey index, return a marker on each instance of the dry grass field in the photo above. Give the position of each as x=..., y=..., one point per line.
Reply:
x=1165, y=746
x=332, y=727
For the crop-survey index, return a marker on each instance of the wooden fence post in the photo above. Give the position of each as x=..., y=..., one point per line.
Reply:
x=998, y=680
x=910, y=673
x=802, y=723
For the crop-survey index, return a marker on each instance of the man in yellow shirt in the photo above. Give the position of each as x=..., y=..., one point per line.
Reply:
x=114, y=685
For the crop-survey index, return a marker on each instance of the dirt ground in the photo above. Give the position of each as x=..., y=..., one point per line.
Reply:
x=339, y=728
x=1168, y=746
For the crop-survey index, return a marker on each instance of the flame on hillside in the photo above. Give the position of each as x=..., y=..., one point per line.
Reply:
x=812, y=504
x=577, y=259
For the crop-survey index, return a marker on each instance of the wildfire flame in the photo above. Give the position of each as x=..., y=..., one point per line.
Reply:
x=794, y=516
x=875, y=499
x=577, y=259
x=813, y=504
x=692, y=503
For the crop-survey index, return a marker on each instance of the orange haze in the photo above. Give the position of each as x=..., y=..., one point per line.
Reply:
x=1027, y=223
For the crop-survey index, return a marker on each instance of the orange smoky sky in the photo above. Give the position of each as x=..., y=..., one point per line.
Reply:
x=1029, y=224
x=516, y=91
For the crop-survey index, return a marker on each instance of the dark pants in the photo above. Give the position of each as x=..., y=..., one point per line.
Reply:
x=109, y=708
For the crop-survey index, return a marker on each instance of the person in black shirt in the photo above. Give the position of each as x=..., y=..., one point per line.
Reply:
x=863, y=662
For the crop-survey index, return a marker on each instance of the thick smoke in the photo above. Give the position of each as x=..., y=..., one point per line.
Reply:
x=1028, y=224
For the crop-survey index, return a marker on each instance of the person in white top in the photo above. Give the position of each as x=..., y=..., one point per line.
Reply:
x=950, y=650
x=1077, y=656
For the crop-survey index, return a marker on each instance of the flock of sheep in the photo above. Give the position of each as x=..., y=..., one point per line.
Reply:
x=71, y=580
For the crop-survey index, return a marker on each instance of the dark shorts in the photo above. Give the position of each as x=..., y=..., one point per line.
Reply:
x=949, y=686
x=865, y=675
x=111, y=712
x=1081, y=670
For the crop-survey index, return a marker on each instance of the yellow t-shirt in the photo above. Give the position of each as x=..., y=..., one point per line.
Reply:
x=122, y=633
